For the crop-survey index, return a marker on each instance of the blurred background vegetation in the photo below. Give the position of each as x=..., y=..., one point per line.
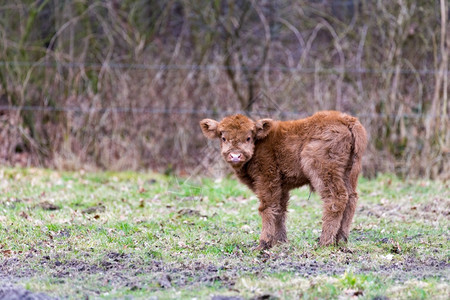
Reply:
x=123, y=84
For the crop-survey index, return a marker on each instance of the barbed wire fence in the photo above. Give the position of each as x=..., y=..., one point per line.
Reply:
x=206, y=67
x=150, y=111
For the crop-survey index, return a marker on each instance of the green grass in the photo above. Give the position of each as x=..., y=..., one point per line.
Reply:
x=137, y=235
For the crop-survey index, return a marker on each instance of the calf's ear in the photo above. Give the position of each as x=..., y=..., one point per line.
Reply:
x=209, y=128
x=263, y=127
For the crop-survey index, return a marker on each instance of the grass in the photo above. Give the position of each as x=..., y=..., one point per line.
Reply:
x=135, y=235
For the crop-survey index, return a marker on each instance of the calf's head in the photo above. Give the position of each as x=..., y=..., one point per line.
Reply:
x=237, y=135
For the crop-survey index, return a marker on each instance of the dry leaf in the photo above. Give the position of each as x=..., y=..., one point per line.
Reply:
x=6, y=252
x=45, y=205
x=94, y=209
x=141, y=203
x=24, y=215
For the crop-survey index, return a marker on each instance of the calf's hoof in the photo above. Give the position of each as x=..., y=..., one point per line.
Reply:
x=341, y=237
x=263, y=245
x=325, y=241
x=282, y=241
x=282, y=238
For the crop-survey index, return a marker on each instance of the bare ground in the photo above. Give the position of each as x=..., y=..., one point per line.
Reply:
x=127, y=271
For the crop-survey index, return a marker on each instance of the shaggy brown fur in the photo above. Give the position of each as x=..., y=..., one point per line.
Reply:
x=273, y=157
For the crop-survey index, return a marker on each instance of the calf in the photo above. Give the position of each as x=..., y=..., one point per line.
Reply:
x=273, y=157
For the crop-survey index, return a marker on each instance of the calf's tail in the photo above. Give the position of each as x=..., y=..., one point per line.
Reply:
x=359, y=144
x=359, y=136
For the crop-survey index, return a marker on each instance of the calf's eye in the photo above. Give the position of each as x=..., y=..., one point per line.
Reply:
x=224, y=139
x=248, y=139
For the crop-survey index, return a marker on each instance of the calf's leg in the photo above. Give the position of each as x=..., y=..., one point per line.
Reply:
x=349, y=212
x=333, y=192
x=272, y=209
x=324, y=162
x=333, y=210
x=280, y=219
x=268, y=216
x=347, y=218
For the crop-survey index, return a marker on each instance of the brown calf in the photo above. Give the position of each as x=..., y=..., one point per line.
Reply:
x=273, y=157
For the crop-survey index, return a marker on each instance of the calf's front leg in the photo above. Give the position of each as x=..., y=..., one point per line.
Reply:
x=272, y=210
x=268, y=216
x=280, y=218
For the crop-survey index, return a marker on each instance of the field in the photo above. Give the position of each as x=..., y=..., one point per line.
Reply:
x=142, y=235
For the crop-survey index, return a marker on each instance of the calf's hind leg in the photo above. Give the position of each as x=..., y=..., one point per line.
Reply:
x=347, y=218
x=335, y=199
x=349, y=212
x=325, y=163
x=333, y=192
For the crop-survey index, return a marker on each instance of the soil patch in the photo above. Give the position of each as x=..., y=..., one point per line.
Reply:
x=125, y=270
x=8, y=292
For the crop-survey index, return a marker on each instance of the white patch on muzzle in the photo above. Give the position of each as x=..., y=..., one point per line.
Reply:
x=235, y=157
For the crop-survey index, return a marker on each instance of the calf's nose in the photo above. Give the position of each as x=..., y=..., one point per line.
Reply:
x=235, y=156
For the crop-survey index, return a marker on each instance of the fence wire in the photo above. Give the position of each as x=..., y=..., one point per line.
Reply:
x=208, y=112
x=211, y=67
x=206, y=67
